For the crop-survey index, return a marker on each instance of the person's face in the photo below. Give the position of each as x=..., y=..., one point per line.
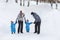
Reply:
x=20, y=12
x=27, y=20
x=11, y=21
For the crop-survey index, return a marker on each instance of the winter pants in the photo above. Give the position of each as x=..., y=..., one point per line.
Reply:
x=37, y=27
x=13, y=30
x=27, y=29
x=20, y=26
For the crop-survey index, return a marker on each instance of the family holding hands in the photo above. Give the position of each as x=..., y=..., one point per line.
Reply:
x=19, y=20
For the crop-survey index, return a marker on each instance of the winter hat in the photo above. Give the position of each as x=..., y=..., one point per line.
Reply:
x=32, y=13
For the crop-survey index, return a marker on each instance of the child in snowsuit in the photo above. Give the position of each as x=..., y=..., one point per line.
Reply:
x=13, y=30
x=27, y=25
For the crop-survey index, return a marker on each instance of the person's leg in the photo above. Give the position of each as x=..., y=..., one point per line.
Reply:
x=11, y=32
x=28, y=28
x=35, y=28
x=39, y=23
x=18, y=26
x=14, y=30
x=21, y=26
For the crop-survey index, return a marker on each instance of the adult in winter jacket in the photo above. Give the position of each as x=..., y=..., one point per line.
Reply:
x=37, y=22
x=20, y=21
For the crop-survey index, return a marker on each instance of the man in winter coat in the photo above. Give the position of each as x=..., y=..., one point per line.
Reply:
x=37, y=22
x=20, y=22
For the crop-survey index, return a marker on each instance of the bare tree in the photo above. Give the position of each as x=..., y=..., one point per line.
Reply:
x=56, y=4
x=37, y=2
x=51, y=2
x=44, y=0
x=20, y=2
x=16, y=1
x=23, y=2
x=6, y=1
x=28, y=3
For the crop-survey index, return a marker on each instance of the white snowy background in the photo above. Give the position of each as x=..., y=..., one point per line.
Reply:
x=50, y=25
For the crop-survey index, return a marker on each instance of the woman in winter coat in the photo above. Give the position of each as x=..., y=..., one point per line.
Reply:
x=20, y=22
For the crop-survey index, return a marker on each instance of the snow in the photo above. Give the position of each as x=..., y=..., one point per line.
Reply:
x=50, y=25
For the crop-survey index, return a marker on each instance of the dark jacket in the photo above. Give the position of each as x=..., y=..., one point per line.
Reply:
x=37, y=18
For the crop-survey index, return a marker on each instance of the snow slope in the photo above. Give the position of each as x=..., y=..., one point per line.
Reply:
x=50, y=26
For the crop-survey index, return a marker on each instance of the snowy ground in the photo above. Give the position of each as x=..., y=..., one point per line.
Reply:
x=50, y=26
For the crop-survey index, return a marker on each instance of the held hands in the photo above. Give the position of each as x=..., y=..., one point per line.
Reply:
x=33, y=22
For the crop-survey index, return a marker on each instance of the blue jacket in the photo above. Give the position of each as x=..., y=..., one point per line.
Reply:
x=28, y=25
x=13, y=27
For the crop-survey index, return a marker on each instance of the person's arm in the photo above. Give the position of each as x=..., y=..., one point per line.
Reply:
x=30, y=23
x=15, y=22
x=17, y=18
x=24, y=16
